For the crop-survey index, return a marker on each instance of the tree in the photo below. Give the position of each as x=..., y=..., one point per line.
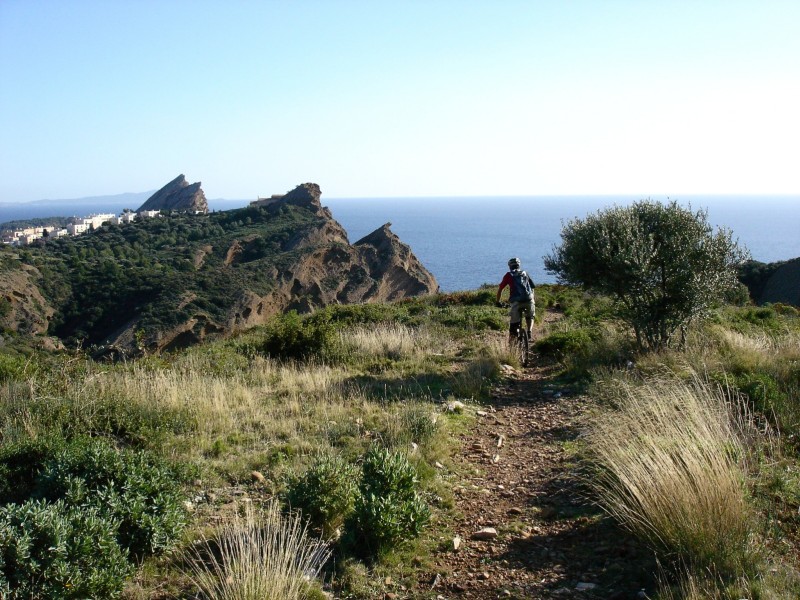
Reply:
x=662, y=263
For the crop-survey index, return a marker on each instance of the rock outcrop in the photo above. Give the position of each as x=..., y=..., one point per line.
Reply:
x=307, y=265
x=178, y=195
x=23, y=309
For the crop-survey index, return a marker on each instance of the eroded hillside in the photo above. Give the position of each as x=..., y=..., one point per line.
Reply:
x=176, y=280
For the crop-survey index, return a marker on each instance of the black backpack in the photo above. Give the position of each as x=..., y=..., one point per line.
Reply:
x=523, y=286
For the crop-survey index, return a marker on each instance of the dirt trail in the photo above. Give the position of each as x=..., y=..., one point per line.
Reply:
x=522, y=482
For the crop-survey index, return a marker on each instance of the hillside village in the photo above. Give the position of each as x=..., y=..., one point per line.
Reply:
x=78, y=226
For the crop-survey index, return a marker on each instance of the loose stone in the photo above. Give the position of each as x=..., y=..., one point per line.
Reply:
x=487, y=533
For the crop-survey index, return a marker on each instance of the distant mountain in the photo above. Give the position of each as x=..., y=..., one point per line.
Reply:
x=132, y=197
x=17, y=213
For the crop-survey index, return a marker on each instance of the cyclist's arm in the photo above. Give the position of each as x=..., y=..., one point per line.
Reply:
x=503, y=284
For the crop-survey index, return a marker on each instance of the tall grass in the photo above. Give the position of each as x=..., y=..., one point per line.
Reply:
x=671, y=460
x=391, y=340
x=256, y=556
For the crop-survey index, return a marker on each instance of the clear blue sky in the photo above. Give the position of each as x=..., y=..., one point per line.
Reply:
x=399, y=98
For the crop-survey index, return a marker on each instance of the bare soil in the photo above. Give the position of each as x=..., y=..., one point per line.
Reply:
x=523, y=480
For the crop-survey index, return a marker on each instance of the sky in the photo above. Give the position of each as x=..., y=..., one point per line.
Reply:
x=399, y=98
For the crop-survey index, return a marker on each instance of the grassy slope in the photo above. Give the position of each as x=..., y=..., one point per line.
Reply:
x=384, y=374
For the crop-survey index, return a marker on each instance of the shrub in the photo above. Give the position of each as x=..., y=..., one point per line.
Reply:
x=260, y=555
x=289, y=336
x=20, y=464
x=388, y=510
x=662, y=264
x=56, y=551
x=325, y=493
x=12, y=367
x=564, y=343
x=485, y=296
x=135, y=490
x=785, y=309
x=764, y=317
x=420, y=424
x=472, y=318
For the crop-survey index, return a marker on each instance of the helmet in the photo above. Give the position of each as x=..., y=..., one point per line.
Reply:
x=513, y=263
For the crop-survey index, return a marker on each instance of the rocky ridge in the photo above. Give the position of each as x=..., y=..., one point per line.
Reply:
x=178, y=195
x=326, y=269
x=253, y=263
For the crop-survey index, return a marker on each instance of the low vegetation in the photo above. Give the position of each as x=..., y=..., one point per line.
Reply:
x=264, y=554
x=341, y=415
x=695, y=449
x=215, y=471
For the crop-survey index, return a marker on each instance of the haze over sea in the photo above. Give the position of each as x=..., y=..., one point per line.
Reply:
x=466, y=241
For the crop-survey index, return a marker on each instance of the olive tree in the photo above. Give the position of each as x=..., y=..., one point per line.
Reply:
x=662, y=263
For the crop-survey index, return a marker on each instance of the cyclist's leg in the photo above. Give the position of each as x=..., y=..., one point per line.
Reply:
x=527, y=310
x=515, y=322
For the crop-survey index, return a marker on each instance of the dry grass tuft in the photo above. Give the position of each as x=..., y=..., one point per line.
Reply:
x=671, y=459
x=390, y=340
x=257, y=556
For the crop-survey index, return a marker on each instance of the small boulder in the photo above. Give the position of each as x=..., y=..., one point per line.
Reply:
x=487, y=533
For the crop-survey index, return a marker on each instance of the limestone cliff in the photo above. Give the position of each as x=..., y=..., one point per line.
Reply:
x=178, y=195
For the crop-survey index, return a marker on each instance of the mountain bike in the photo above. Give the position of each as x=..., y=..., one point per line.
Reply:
x=522, y=344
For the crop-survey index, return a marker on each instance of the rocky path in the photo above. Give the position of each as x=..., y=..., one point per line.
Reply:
x=527, y=529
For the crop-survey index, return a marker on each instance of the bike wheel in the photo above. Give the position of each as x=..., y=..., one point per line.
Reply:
x=523, y=347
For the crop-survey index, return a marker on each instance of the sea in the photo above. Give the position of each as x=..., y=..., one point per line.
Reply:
x=466, y=241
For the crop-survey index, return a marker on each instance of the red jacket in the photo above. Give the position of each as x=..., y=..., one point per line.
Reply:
x=508, y=281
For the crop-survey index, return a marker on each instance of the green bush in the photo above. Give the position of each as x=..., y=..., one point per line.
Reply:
x=325, y=494
x=5, y=307
x=765, y=317
x=136, y=490
x=770, y=396
x=663, y=264
x=388, y=510
x=785, y=309
x=290, y=336
x=564, y=343
x=420, y=424
x=12, y=367
x=485, y=296
x=20, y=464
x=347, y=315
x=473, y=318
x=53, y=551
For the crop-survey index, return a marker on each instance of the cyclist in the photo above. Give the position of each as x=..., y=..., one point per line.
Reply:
x=520, y=296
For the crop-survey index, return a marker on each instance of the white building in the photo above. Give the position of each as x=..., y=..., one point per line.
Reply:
x=126, y=217
x=78, y=228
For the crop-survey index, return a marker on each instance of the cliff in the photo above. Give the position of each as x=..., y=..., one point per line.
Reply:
x=164, y=283
x=178, y=195
x=318, y=267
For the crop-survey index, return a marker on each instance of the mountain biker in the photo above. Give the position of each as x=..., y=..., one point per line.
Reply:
x=520, y=296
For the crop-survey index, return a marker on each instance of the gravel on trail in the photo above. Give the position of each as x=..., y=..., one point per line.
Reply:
x=528, y=528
